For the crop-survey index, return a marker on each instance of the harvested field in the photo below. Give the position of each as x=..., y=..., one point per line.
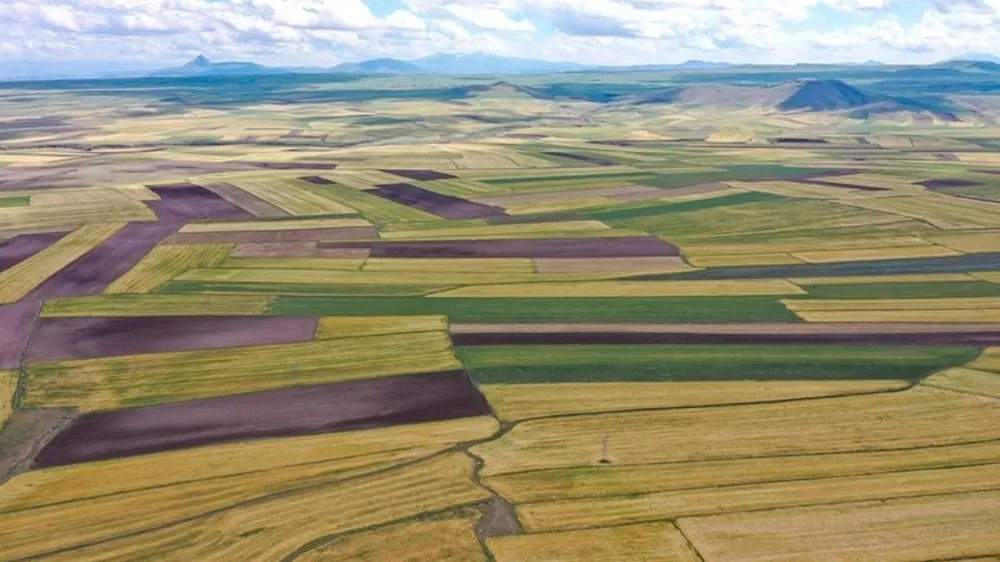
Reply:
x=295, y=250
x=319, y=263
x=16, y=321
x=421, y=175
x=292, y=196
x=627, y=191
x=524, y=401
x=645, y=246
x=833, y=334
x=636, y=289
x=286, y=412
x=618, y=267
x=654, y=542
x=872, y=254
x=274, y=236
x=20, y=248
x=158, y=305
x=164, y=262
x=184, y=202
x=962, y=379
x=922, y=417
x=940, y=527
x=247, y=201
x=88, y=338
x=612, y=480
x=597, y=161
x=958, y=310
x=473, y=230
x=8, y=386
x=575, y=514
x=108, y=383
x=445, y=206
x=451, y=265
x=18, y=281
x=447, y=540
x=337, y=327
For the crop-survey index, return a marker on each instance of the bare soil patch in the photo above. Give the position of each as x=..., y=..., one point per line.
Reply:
x=294, y=165
x=16, y=321
x=88, y=338
x=444, y=206
x=25, y=434
x=421, y=175
x=840, y=185
x=246, y=201
x=185, y=202
x=279, y=413
x=948, y=182
x=317, y=180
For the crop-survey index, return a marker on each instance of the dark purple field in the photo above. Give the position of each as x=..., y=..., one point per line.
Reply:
x=87, y=338
x=317, y=180
x=278, y=413
x=186, y=202
x=275, y=236
x=20, y=248
x=93, y=272
x=943, y=183
x=246, y=201
x=596, y=160
x=15, y=327
x=421, y=175
x=444, y=206
x=620, y=247
x=840, y=185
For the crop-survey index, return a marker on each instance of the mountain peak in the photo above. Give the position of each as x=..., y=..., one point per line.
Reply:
x=201, y=61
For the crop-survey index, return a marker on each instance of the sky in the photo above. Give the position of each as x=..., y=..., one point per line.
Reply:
x=327, y=32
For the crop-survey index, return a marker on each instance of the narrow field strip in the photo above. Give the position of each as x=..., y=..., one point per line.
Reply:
x=164, y=262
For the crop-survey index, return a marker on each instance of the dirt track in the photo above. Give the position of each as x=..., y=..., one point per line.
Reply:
x=278, y=413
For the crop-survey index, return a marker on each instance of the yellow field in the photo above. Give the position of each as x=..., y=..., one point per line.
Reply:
x=612, y=267
x=654, y=542
x=98, y=384
x=378, y=277
x=270, y=226
x=805, y=244
x=8, y=386
x=938, y=210
x=158, y=305
x=794, y=189
x=19, y=280
x=93, y=195
x=611, y=289
x=919, y=417
x=743, y=259
x=959, y=526
x=448, y=540
x=521, y=401
x=877, y=279
x=967, y=380
x=904, y=252
x=353, y=449
x=970, y=243
x=574, y=514
x=338, y=327
x=964, y=310
x=423, y=265
x=330, y=264
x=292, y=195
x=59, y=218
x=270, y=528
x=165, y=262
x=558, y=206
x=501, y=231
x=607, y=481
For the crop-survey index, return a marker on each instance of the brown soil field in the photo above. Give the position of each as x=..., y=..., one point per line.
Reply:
x=421, y=175
x=246, y=201
x=610, y=265
x=277, y=413
x=92, y=273
x=612, y=192
x=294, y=250
x=444, y=206
x=25, y=434
x=275, y=236
x=317, y=180
x=616, y=247
x=15, y=326
x=183, y=202
x=583, y=158
x=834, y=334
x=294, y=165
x=87, y=338
x=20, y=248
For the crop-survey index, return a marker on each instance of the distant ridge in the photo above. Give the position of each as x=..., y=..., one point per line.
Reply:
x=202, y=66
x=824, y=95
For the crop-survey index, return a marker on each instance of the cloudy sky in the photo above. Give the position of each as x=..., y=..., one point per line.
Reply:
x=326, y=32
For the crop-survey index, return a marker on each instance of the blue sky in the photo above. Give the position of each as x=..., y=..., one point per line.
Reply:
x=326, y=32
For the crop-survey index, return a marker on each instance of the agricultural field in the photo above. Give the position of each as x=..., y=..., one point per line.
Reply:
x=484, y=319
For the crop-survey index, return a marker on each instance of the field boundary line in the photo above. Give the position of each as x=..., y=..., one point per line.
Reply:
x=966, y=392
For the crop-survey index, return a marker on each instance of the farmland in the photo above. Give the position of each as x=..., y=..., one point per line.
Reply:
x=484, y=319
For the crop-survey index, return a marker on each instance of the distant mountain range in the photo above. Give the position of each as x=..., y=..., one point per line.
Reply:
x=975, y=57
x=442, y=63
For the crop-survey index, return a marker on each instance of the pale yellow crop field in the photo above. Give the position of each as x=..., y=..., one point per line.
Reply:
x=165, y=262
x=611, y=289
x=8, y=386
x=271, y=226
x=962, y=379
x=653, y=542
x=447, y=540
x=158, y=305
x=957, y=310
x=338, y=327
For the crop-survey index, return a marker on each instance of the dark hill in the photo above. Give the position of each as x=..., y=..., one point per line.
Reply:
x=825, y=95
